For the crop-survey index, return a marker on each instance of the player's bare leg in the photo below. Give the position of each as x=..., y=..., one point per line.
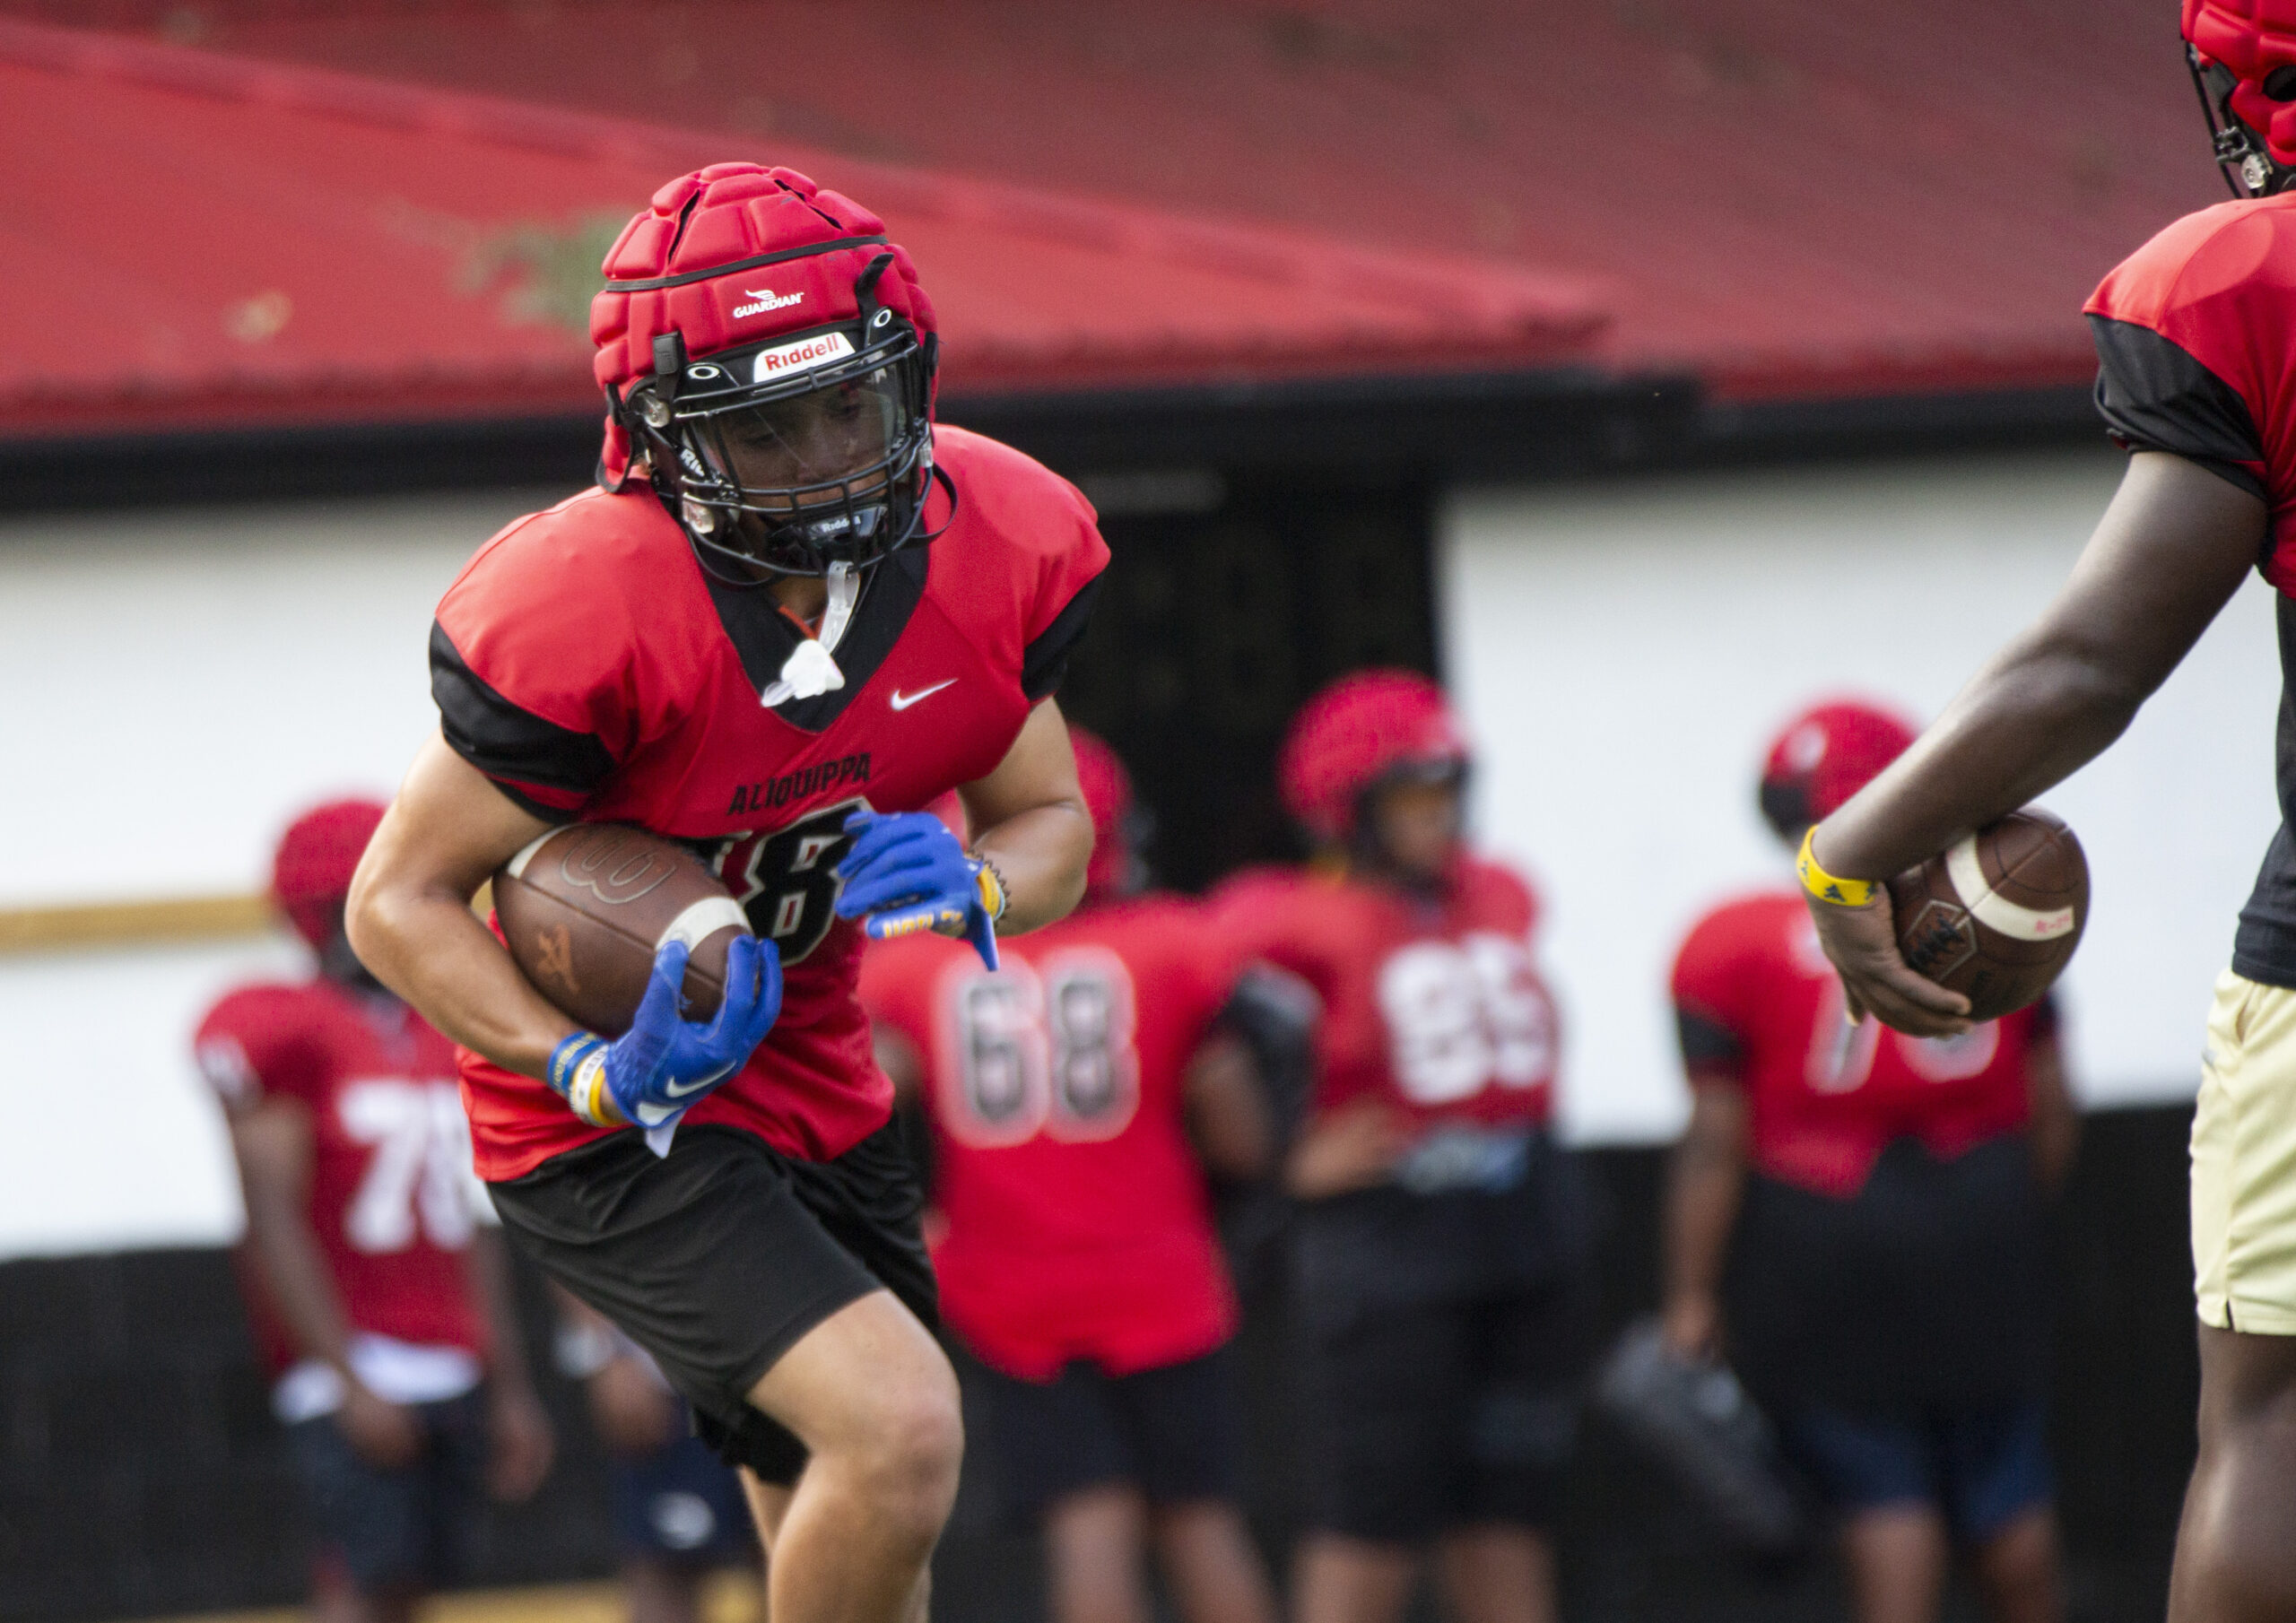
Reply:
x=1210, y=1565
x=2017, y=1570
x=2236, y=1559
x=869, y=1394
x=1497, y=1574
x=1343, y=1579
x=1897, y=1555
x=1093, y=1542
x=768, y=1503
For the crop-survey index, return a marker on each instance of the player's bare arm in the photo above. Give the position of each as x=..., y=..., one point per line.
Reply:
x=1033, y=828
x=410, y=921
x=2168, y=553
x=518, y=1440
x=272, y=1141
x=1706, y=1180
x=1228, y=1115
x=2055, y=1118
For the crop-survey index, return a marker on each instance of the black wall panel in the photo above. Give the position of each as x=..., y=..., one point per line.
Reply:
x=141, y=1473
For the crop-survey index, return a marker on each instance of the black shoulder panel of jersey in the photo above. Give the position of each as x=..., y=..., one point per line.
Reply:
x=1706, y=1042
x=1046, y=661
x=2155, y=395
x=512, y=746
x=764, y=638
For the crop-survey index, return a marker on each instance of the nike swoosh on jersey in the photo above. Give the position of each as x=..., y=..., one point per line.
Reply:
x=901, y=701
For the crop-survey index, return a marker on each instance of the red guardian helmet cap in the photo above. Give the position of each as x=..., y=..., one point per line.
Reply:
x=1115, y=869
x=1361, y=729
x=2243, y=59
x=310, y=872
x=769, y=355
x=1825, y=756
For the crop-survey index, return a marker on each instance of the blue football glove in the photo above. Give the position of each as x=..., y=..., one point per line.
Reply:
x=907, y=872
x=665, y=1065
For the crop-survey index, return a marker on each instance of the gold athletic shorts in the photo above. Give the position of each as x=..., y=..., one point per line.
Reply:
x=2244, y=1161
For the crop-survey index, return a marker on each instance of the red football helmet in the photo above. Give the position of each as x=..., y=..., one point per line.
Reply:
x=772, y=355
x=1825, y=756
x=1108, y=795
x=310, y=872
x=1363, y=728
x=2242, y=54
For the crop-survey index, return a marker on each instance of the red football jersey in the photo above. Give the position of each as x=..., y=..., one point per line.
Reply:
x=1435, y=1005
x=587, y=663
x=2196, y=338
x=390, y=1184
x=1079, y=1225
x=1757, y=999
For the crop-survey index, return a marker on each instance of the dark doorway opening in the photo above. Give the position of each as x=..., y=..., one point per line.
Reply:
x=1230, y=599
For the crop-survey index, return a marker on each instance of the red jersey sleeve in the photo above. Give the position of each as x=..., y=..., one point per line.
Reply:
x=1203, y=977
x=1055, y=555
x=253, y=1045
x=539, y=682
x=1709, y=990
x=2191, y=333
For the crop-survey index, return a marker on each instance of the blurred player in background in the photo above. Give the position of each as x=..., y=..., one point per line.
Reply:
x=793, y=612
x=1879, y=1199
x=1440, y=1247
x=1078, y=1098
x=2195, y=334
x=382, y=1308
x=678, y=1511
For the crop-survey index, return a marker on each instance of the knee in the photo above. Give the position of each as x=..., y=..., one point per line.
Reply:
x=907, y=1453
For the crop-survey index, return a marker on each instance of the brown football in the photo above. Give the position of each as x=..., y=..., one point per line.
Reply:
x=1996, y=916
x=584, y=907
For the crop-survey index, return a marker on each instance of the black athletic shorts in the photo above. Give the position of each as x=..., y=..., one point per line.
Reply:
x=1174, y=1432
x=408, y=1528
x=1421, y=1419
x=718, y=1258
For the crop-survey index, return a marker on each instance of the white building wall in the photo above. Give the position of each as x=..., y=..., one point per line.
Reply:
x=1625, y=650
x=174, y=687
x=177, y=685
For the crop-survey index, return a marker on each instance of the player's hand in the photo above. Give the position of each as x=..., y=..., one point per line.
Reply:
x=1353, y=1147
x=1693, y=1326
x=519, y=1447
x=665, y=1065
x=633, y=1413
x=907, y=872
x=387, y=1435
x=1862, y=944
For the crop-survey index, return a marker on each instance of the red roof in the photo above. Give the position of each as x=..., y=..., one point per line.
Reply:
x=1788, y=196
x=197, y=239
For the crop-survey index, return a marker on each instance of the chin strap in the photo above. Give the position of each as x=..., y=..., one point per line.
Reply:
x=809, y=671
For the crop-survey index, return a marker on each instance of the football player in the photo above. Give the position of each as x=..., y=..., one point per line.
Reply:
x=381, y=1308
x=791, y=613
x=2193, y=335
x=1441, y=1249
x=1880, y=1198
x=1078, y=1098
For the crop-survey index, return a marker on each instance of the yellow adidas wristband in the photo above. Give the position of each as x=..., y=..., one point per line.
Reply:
x=1824, y=886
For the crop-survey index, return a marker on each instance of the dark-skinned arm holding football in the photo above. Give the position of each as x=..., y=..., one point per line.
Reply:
x=2168, y=553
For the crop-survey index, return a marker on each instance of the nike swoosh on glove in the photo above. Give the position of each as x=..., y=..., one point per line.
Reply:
x=665, y=1065
x=907, y=872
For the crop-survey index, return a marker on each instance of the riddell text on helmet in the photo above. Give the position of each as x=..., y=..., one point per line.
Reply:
x=802, y=356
